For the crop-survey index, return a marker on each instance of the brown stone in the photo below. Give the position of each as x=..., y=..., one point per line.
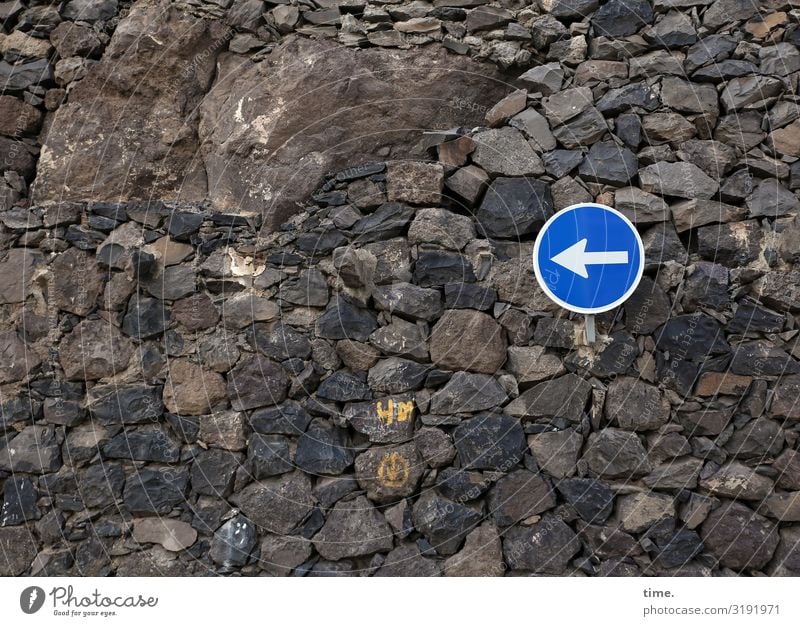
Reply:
x=16, y=271
x=786, y=398
x=455, y=152
x=174, y=535
x=389, y=473
x=507, y=108
x=280, y=554
x=168, y=251
x=356, y=355
x=784, y=506
x=77, y=281
x=468, y=340
x=224, y=430
x=17, y=358
x=722, y=383
x=787, y=139
x=192, y=390
x=94, y=349
x=196, y=312
x=414, y=182
x=468, y=182
x=17, y=117
x=481, y=555
x=18, y=547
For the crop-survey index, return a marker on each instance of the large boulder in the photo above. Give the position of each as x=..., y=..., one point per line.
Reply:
x=248, y=136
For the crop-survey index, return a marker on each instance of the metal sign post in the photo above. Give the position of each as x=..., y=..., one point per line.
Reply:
x=588, y=258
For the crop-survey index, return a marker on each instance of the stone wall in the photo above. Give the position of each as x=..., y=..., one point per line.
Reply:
x=379, y=386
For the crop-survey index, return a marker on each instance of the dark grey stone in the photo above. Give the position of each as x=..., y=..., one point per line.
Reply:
x=343, y=319
x=233, y=542
x=324, y=449
x=444, y=523
x=19, y=501
x=490, y=442
x=146, y=444
x=610, y=164
x=125, y=404
x=592, y=499
x=437, y=267
x=156, y=491
x=513, y=207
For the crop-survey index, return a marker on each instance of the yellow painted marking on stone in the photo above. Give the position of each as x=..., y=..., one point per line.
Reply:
x=394, y=413
x=393, y=470
x=387, y=415
x=404, y=410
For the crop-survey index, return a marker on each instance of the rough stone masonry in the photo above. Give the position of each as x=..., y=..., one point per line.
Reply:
x=230, y=349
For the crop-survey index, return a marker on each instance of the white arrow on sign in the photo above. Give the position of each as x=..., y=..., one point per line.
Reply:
x=575, y=258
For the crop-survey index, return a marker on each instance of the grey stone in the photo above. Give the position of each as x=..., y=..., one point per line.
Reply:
x=269, y=455
x=563, y=397
x=396, y=375
x=614, y=453
x=504, y=152
x=277, y=504
x=609, y=164
x=233, y=542
x=444, y=524
x=545, y=79
x=684, y=180
x=94, y=349
x=435, y=268
x=635, y=405
x=324, y=449
x=407, y=300
x=36, y=450
x=582, y=130
x=468, y=393
x=353, y=528
x=441, y=227
x=488, y=441
x=592, y=499
x=513, y=207
x=739, y=538
x=468, y=340
x=155, y=491
x=518, y=496
x=556, y=452
x=545, y=547
x=256, y=382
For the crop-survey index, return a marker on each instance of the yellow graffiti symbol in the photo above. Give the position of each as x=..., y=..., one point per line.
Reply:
x=386, y=416
x=393, y=470
x=401, y=412
x=404, y=410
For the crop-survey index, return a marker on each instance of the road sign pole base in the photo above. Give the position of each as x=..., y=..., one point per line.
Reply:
x=591, y=335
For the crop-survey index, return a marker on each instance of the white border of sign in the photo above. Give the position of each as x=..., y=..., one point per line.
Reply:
x=559, y=301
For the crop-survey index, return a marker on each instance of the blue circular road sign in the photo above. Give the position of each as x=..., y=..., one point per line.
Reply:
x=588, y=258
